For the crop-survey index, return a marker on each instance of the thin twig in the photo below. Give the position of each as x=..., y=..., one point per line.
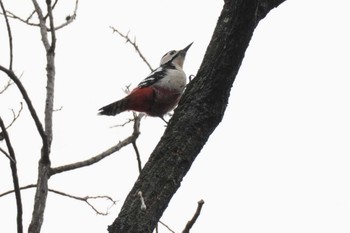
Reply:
x=15, y=117
x=7, y=85
x=133, y=43
x=26, y=21
x=21, y=188
x=8, y=33
x=84, y=199
x=28, y=101
x=7, y=155
x=29, y=17
x=93, y=159
x=137, y=118
x=13, y=166
x=166, y=226
x=138, y=158
x=194, y=218
x=53, y=7
x=123, y=124
x=69, y=19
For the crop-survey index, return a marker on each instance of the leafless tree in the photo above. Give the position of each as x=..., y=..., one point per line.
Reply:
x=172, y=158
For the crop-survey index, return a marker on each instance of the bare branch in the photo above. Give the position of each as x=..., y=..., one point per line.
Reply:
x=123, y=124
x=84, y=199
x=50, y=68
x=69, y=19
x=26, y=98
x=102, y=155
x=26, y=21
x=51, y=72
x=29, y=17
x=167, y=226
x=7, y=85
x=58, y=109
x=8, y=33
x=44, y=162
x=137, y=129
x=15, y=117
x=133, y=43
x=7, y=155
x=13, y=166
x=194, y=218
x=139, y=163
x=43, y=29
x=21, y=188
x=52, y=26
x=51, y=8
x=94, y=159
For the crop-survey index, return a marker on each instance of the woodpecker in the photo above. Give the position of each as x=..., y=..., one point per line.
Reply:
x=159, y=92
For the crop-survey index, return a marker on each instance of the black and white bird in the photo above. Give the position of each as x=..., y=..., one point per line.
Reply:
x=159, y=92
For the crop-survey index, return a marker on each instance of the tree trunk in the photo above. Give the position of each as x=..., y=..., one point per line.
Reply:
x=199, y=112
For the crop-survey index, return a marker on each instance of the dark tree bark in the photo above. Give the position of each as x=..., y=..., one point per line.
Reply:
x=199, y=112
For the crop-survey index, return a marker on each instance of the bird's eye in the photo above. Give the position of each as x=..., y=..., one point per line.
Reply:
x=172, y=52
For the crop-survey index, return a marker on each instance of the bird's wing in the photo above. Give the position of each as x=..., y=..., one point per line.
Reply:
x=152, y=78
x=156, y=75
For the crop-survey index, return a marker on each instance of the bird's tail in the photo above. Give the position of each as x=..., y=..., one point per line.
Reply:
x=113, y=108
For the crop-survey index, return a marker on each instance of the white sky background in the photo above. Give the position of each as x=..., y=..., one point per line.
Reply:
x=278, y=162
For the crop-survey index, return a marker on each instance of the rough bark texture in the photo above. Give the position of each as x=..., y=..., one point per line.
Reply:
x=199, y=112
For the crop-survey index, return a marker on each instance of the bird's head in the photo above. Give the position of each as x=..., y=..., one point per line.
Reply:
x=176, y=57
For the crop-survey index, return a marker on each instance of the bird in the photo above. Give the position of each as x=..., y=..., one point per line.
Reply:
x=159, y=92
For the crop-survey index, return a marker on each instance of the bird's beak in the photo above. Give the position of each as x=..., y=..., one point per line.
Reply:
x=186, y=48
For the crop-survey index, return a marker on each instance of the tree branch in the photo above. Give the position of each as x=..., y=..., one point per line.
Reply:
x=14, y=178
x=190, y=223
x=44, y=167
x=15, y=117
x=21, y=188
x=7, y=85
x=133, y=43
x=138, y=158
x=83, y=199
x=166, y=226
x=8, y=33
x=7, y=155
x=69, y=19
x=86, y=200
x=137, y=129
x=26, y=98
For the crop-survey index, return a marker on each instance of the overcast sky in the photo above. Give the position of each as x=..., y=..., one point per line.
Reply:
x=278, y=162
